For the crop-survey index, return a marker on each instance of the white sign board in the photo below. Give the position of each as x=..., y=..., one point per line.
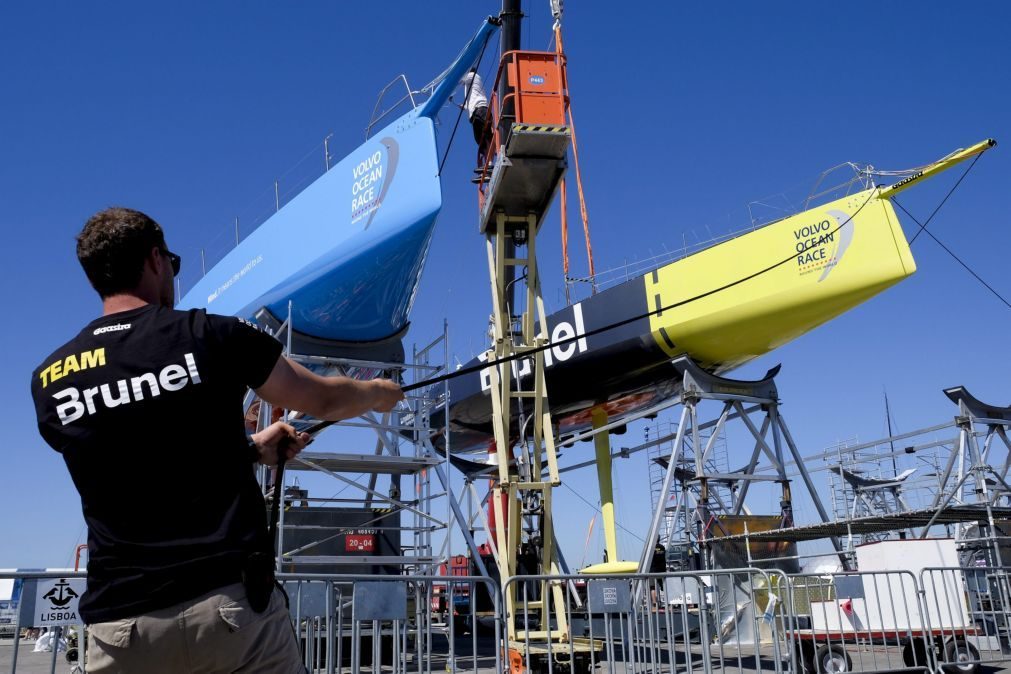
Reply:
x=56, y=601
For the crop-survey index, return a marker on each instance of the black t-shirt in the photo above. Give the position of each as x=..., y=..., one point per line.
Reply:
x=146, y=408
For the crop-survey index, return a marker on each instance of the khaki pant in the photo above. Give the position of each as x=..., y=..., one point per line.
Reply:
x=217, y=632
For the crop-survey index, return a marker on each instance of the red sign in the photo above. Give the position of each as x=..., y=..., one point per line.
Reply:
x=359, y=543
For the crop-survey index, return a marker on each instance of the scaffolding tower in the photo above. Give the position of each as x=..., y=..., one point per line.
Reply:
x=676, y=521
x=386, y=520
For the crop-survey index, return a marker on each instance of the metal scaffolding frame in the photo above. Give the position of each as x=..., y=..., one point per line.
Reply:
x=969, y=495
x=740, y=400
x=403, y=448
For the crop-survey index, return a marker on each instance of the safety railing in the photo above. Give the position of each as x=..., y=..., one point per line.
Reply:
x=944, y=620
x=951, y=620
x=395, y=623
x=46, y=625
x=969, y=612
x=865, y=622
x=344, y=623
x=701, y=622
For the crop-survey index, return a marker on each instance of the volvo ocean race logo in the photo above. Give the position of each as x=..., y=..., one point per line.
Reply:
x=371, y=180
x=821, y=245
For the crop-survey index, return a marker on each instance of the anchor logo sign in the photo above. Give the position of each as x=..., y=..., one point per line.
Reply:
x=61, y=594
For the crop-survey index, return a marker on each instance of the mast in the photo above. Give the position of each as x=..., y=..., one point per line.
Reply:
x=512, y=23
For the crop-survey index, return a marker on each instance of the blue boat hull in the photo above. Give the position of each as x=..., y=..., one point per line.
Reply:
x=348, y=251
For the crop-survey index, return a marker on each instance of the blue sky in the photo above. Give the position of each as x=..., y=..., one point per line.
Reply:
x=685, y=112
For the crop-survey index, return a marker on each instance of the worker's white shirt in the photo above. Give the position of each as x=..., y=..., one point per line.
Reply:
x=477, y=98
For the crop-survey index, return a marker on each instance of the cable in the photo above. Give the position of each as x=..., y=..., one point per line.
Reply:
x=526, y=353
x=466, y=99
x=618, y=324
x=923, y=228
x=316, y=428
x=597, y=509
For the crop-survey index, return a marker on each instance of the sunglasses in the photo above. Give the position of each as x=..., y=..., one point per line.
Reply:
x=174, y=260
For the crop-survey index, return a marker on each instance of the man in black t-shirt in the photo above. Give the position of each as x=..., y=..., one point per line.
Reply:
x=173, y=508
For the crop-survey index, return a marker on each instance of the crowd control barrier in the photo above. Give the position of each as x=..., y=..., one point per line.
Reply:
x=950, y=620
x=939, y=621
x=718, y=621
x=395, y=624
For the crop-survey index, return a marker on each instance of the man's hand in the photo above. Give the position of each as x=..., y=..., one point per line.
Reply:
x=271, y=438
x=386, y=395
x=292, y=386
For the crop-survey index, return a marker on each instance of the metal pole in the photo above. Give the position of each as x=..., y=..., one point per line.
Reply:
x=236, y=230
x=445, y=434
x=326, y=151
x=57, y=630
x=512, y=18
x=203, y=265
x=654, y=526
x=891, y=443
x=277, y=197
x=17, y=629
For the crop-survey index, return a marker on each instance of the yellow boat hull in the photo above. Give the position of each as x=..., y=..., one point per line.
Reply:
x=801, y=271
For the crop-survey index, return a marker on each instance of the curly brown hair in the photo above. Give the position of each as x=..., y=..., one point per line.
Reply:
x=112, y=247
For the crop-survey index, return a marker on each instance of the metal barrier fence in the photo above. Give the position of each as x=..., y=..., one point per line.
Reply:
x=862, y=622
x=346, y=623
x=969, y=611
x=29, y=587
x=950, y=620
x=395, y=624
x=705, y=621
x=945, y=620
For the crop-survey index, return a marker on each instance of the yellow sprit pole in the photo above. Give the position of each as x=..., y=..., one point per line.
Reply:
x=956, y=157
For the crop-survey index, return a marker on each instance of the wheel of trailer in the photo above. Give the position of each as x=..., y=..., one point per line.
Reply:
x=962, y=657
x=71, y=655
x=832, y=659
x=914, y=653
x=805, y=657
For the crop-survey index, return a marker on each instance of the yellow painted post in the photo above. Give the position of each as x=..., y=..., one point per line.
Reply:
x=602, y=445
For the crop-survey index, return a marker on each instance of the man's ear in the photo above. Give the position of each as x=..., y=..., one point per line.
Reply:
x=155, y=260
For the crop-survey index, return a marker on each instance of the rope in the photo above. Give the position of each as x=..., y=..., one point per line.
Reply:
x=923, y=228
x=559, y=50
x=596, y=509
x=605, y=328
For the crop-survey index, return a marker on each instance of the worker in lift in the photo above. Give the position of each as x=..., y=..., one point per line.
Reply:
x=145, y=406
x=475, y=102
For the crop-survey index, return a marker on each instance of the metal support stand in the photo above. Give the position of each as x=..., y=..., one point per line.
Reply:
x=974, y=465
x=739, y=399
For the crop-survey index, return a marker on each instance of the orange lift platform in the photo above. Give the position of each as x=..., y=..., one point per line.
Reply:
x=526, y=157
